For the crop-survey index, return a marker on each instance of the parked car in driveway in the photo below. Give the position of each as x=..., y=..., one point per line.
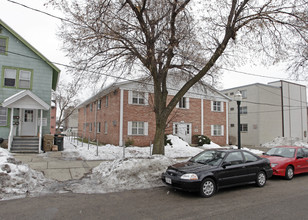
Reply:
x=288, y=160
x=214, y=169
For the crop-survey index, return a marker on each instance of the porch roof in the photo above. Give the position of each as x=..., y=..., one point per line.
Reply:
x=25, y=99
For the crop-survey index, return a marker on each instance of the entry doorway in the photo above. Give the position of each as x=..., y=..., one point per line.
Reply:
x=28, y=125
x=182, y=130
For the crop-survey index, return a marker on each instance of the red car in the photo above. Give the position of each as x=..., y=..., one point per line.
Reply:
x=288, y=160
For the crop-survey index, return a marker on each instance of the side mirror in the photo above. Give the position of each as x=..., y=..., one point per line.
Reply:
x=225, y=164
x=299, y=157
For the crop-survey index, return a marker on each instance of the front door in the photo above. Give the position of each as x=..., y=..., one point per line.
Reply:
x=183, y=130
x=28, y=125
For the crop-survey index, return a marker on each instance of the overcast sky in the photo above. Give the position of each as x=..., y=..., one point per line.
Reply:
x=40, y=31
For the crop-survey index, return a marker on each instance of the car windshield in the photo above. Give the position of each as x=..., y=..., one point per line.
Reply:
x=281, y=152
x=209, y=157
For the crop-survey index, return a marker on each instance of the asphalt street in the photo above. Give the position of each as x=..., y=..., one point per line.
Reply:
x=279, y=199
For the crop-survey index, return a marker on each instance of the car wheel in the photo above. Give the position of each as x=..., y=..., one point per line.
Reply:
x=261, y=179
x=289, y=173
x=207, y=188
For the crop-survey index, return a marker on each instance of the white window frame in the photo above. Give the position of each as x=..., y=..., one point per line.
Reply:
x=135, y=97
x=4, y=114
x=183, y=103
x=217, y=130
x=244, y=94
x=105, y=127
x=215, y=107
x=98, y=127
x=242, y=126
x=99, y=104
x=137, y=125
x=106, y=101
x=90, y=127
x=243, y=110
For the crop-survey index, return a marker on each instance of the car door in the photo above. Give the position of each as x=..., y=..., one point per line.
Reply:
x=300, y=161
x=234, y=172
x=252, y=165
x=306, y=158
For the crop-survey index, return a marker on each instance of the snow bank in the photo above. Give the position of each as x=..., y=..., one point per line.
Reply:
x=283, y=141
x=124, y=174
x=16, y=179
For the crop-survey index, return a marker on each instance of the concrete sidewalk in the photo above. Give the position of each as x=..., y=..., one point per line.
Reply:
x=55, y=166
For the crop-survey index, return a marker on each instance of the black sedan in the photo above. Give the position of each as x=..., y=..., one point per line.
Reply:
x=211, y=170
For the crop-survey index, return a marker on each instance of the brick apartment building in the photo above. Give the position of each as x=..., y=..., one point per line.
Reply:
x=124, y=111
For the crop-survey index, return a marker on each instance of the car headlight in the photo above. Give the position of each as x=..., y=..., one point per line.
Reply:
x=274, y=164
x=189, y=176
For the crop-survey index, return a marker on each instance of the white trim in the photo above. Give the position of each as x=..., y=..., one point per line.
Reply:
x=129, y=127
x=202, y=117
x=12, y=101
x=40, y=136
x=146, y=128
x=130, y=97
x=10, y=138
x=121, y=117
x=227, y=123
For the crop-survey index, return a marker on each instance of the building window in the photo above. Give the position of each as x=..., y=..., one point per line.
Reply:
x=24, y=79
x=232, y=125
x=91, y=107
x=244, y=128
x=175, y=129
x=217, y=130
x=137, y=128
x=243, y=110
x=184, y=103
x=106, y=127
x=231, y=93
x=107, y=100
x=231, y=109
x=3, y=116
x=98, y=128
x=3, y=45
x=244, y=94
x=17, y=78
x=10, y=77
x=90, y=127
x=99, y=104
x=217, y=106
x=138, y=98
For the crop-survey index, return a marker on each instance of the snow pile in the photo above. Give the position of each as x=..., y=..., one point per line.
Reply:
x=284, y=141
x=212, y=145
x=17, y=179
x=124, y=174
x=180, y=148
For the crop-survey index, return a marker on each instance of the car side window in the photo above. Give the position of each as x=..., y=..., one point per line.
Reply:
x=305, y=152
x=234, y=158
x=249, y=157
x=300, y=153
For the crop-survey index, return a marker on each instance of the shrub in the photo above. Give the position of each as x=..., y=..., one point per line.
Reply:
x=129, y=142
x=202, y=139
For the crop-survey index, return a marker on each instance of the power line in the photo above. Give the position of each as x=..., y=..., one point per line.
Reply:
x=237, y=71
x=138, y=81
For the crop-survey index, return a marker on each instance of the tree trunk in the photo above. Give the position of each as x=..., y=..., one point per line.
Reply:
x=159, y=139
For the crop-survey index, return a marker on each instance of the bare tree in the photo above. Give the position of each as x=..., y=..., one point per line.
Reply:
x=186, y=37
x=66, y=101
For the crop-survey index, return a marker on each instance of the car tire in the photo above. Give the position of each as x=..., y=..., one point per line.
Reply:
x=261, y=179
x=289, y=173
x=207, y=188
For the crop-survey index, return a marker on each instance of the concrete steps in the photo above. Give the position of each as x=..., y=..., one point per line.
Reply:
x=25, y=145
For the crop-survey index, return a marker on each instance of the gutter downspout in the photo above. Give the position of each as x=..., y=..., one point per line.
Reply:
x=121, y=117
x=282, y=110
x=227, y=123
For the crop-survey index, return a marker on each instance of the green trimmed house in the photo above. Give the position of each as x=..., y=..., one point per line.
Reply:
x=26, y=82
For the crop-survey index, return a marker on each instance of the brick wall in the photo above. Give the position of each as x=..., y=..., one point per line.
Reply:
x=144, y=113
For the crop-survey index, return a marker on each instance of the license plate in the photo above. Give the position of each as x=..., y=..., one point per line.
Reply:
x=168, y=180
